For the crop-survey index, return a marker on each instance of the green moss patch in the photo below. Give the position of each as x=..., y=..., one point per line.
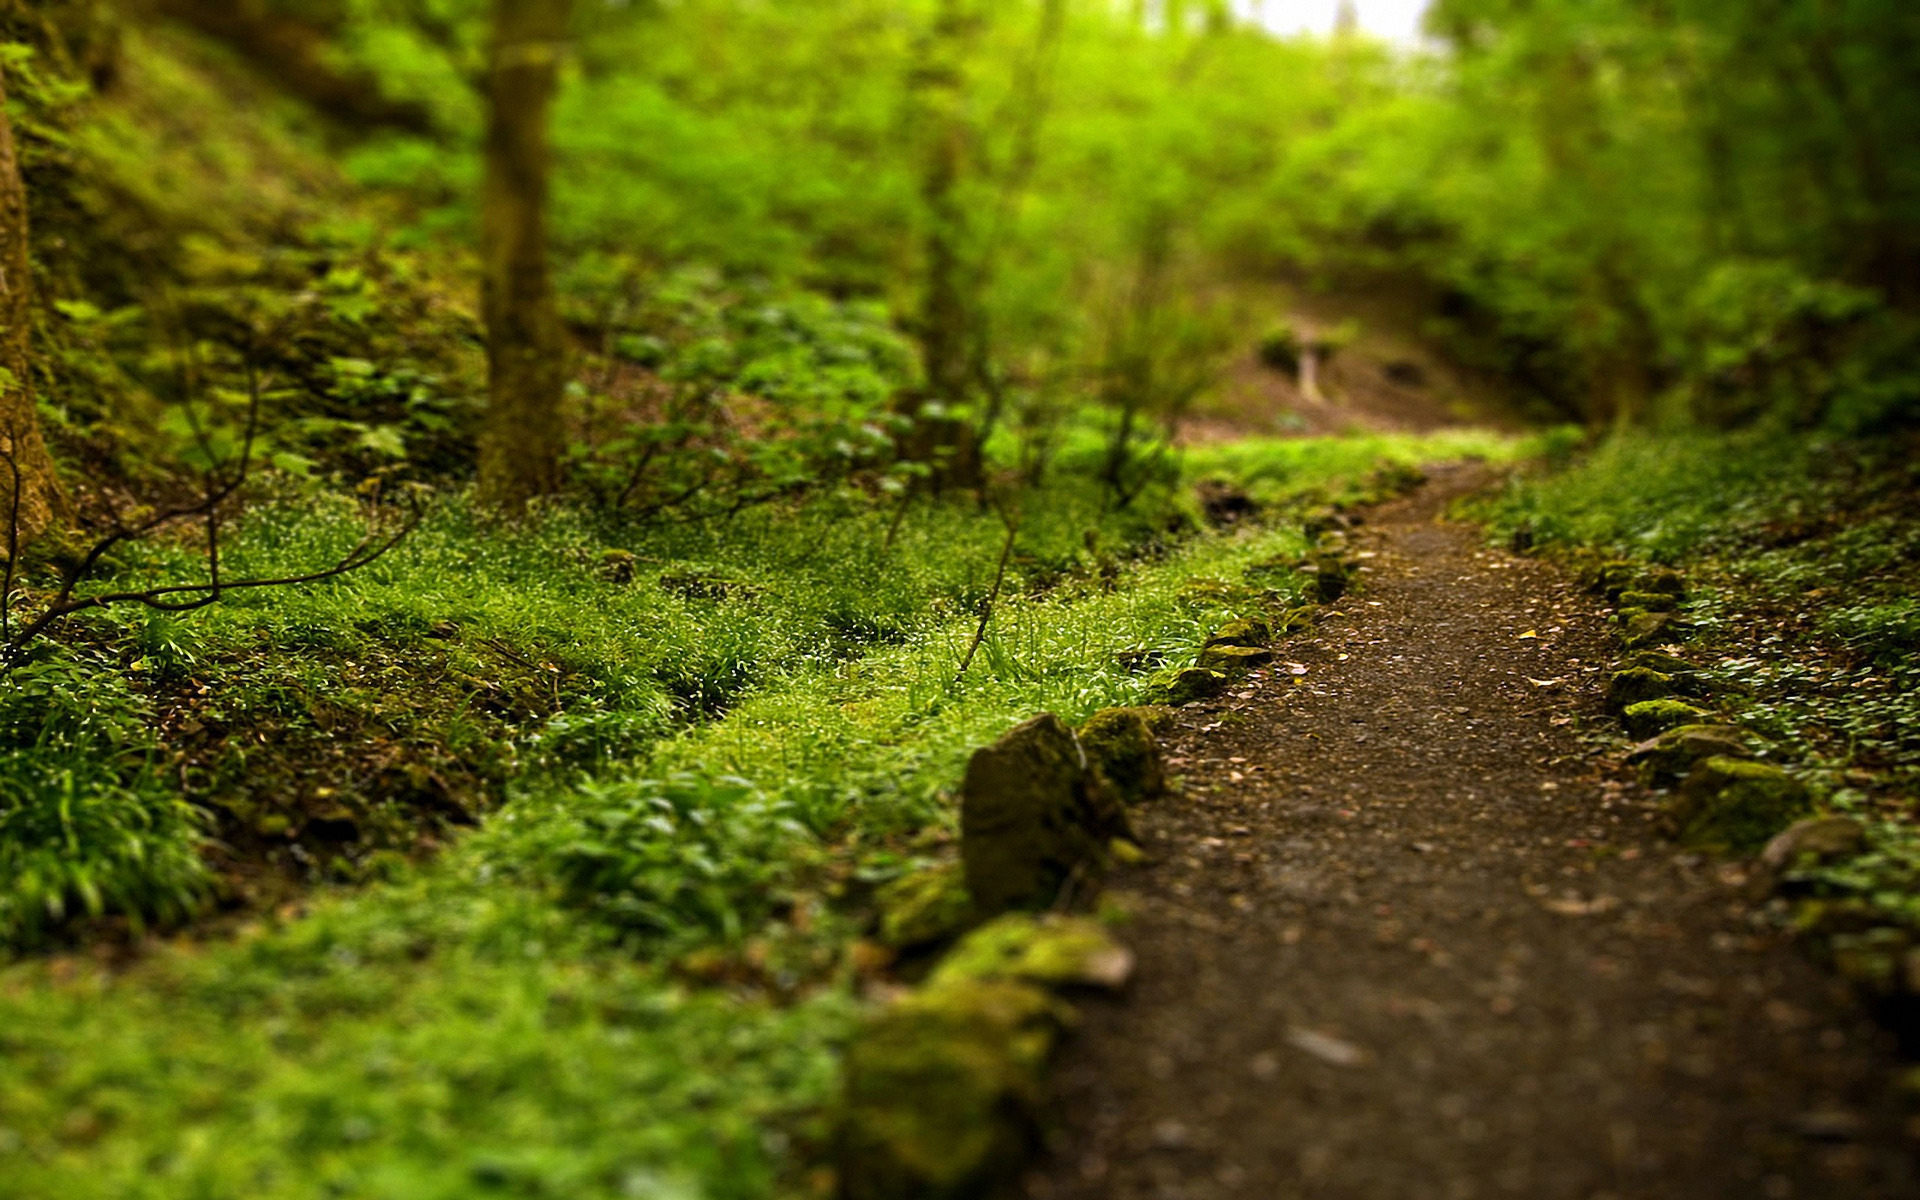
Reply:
x=1735, y=806
x=1652, y=717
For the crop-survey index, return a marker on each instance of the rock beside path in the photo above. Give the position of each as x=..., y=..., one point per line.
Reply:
x=1035, y=811
x=1734, y=806
x=1122, y=743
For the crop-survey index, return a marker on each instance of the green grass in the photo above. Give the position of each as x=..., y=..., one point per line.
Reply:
x=633, y=977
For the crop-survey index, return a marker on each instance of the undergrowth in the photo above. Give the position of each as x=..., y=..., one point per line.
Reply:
x=1802, y=556
x=631, y=978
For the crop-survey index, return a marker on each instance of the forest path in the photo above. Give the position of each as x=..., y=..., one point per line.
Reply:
x=1406, y=937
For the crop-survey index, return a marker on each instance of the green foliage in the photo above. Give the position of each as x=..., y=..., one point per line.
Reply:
x=1799, y=556
x=512, y=1014
x=87, y=828
x=1883, y=633
x=688, y=856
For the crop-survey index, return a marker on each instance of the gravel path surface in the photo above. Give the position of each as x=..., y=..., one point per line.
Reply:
x=1407, y=936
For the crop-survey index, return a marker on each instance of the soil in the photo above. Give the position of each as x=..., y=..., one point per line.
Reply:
x=1411, y=932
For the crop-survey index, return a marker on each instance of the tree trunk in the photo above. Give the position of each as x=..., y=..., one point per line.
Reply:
x=30, y=494
x=520, y=448
x=946, y=324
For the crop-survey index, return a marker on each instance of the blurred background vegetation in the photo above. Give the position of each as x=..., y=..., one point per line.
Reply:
x=852, y=301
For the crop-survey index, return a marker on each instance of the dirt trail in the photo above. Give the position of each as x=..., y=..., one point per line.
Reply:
x=1406, y=937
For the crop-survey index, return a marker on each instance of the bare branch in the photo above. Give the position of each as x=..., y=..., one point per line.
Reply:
x=1011, y=517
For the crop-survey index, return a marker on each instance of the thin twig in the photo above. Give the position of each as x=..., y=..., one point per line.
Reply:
x=367, y=551
x=899, y=516
x=1012, y=519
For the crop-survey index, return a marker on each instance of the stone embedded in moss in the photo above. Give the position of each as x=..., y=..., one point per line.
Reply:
x=1672, y=665
x=1649, y=718
x=1298, y=620
x=1052, y=951
x=1731, y=805
x=1234, y=659
x=1651, y=629
x=1159, y=717
x=1667, y=757
x=1244, y=631
x=1636, y=685
x=1033, y=811
x=943, y=1091
x=1324, y=520
x=1649, y=601
x=925, y=907
x=1664, y=580
x=1330, y=578
x=1813, y=841
x=617, y=566
x=1121, y=742
x=1609, y=579
x=1194, y=683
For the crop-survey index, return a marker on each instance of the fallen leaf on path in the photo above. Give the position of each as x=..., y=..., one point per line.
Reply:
x=1581, y=908
x=1544, y=682
x=1326, y=1048
x=1531, y=633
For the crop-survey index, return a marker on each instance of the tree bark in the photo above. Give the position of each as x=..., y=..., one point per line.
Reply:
x=31, y=499
x=947, y=321
x=520, y=447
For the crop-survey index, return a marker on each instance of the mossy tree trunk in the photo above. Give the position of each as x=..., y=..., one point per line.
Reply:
x=520, y=447
x=31, y=499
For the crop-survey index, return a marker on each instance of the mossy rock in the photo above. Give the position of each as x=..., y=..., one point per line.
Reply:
x=1649, y=601
x=1609, y=579
x=1644, y=629
x=617, y=566
x=1298, y=620
x=925, y=907
x=1034, y=811
x=1636, y=685
x=1245, y=631
x=1650, y=718
x=1322, y=521
x=1330, y=579
x=1667, y=664
x=943, y=1092
x=1232, y=660
x=1051, y=951
x=1735, y=806
x=1814, y=841
x=1194, y=683
x=1159, y=718
x=1664, y=580
x=1667, y=757
x=1121, y=742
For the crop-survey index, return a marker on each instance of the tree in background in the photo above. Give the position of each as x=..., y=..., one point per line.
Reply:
x=526, y=361
x=30, y=495
x=948, y=308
